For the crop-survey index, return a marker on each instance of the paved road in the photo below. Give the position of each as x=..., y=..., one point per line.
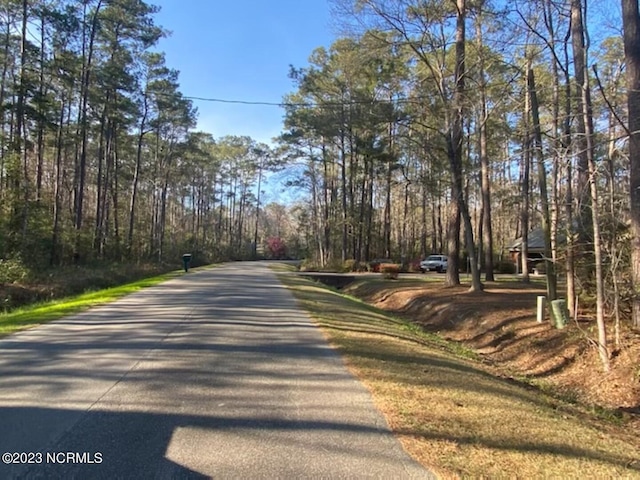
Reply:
x=215, y=374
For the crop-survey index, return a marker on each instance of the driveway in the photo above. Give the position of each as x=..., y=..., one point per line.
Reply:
x=217, y=373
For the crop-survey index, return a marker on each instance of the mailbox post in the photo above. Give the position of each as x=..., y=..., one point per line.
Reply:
x=186, y=259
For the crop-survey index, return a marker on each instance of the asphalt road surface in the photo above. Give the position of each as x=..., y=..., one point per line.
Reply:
x=215, y=374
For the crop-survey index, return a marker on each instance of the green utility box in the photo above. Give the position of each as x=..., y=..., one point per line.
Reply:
x=559, y=313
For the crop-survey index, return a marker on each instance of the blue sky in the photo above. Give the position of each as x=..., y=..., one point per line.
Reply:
x=241, y=50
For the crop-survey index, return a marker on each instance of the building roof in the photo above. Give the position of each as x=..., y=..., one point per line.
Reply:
x=535, y=242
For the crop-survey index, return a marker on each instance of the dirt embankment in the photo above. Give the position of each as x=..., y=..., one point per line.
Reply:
x=500, y=325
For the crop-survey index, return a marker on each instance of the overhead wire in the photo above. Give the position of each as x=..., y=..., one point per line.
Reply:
x=396, y=101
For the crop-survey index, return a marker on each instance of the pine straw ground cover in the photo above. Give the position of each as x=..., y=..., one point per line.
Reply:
x=451, y=413
x=500, y=326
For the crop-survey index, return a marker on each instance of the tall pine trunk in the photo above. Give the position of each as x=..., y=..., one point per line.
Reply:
x=525, y=190
x=585, y=222
x=586, y=128
x=631, y=25
x=136, y=177
x=552, y=290
x=84, y=127
x=455, y=145
x=54, y=258
x=486, y=235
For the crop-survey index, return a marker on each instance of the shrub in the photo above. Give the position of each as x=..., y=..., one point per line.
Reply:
x=276, y=248
x=374, y=265
x=505, y=267
x=333, y=266
x=414, y=266
x=309, y=265
x=351, y=265
x=540, y=267
x=12, y=270
x=390, y=270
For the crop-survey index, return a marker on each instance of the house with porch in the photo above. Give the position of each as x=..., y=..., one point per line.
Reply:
x=535, y=249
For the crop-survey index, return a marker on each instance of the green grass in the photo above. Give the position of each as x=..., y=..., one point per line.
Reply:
x=37, y=314
x=451, y=413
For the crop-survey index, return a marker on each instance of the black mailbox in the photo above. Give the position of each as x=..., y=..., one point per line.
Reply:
x=186, y=259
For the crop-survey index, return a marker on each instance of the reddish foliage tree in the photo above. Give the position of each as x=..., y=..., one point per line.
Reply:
x=277, y=248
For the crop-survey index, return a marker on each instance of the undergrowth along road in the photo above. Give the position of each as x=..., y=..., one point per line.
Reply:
x=42, y=312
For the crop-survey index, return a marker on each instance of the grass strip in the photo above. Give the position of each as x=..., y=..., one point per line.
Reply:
x=452, y=415
x=37, y=314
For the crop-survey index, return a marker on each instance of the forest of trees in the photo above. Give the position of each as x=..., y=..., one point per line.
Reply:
x=99, y=160
x=432, y=126
x=457, y=126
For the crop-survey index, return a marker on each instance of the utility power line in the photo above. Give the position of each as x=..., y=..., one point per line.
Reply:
x=305, y=104
x=241, y=102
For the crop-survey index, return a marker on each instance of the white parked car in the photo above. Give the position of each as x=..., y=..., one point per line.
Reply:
x=437, y=263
